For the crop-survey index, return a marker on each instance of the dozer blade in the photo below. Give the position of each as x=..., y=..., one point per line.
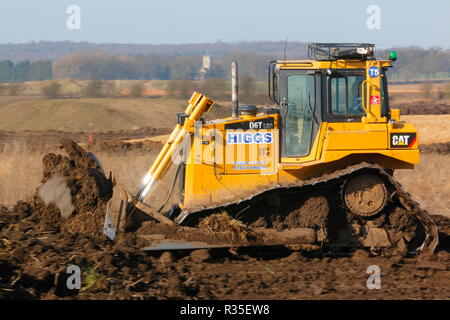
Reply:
x=116, y=212
x=183, y=245
x=120, y=212
x=260, y=237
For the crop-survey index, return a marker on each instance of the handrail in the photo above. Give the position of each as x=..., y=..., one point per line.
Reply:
x=365, y=97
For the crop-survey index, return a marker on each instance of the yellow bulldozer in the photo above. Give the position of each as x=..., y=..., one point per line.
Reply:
x=315, y=167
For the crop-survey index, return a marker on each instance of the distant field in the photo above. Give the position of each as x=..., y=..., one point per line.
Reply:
x=432, y=128
x=71, y=87
x=416, y=87
x=91, y=115
x=29, y=110
x=405, y=93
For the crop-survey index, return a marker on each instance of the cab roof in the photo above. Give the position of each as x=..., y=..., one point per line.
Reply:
x=341, y=51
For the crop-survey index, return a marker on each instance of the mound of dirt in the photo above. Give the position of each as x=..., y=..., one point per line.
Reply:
x=37, y=141
x=117, y=146
x=441, y=148
x=89, y=190
x=34, y=261
x=227, y=229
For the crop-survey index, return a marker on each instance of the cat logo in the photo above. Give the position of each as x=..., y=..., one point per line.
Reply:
x=402, y=140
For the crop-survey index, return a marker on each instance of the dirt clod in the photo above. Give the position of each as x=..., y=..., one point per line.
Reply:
x=312, y=214
x=296, y=257
x=360, y=255
x=167, y=257
x=200, y=255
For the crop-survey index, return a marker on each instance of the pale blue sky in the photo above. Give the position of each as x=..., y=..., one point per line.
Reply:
x=425, y=22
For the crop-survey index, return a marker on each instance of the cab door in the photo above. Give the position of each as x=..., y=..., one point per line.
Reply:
x=301, y=99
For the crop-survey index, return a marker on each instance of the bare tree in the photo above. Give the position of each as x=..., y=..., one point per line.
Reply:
x=109, y=89
x=52, y=90
x=137, y=90
x=172, y=89
x=185, y=89
x=217, y=89
x=247, y=89
x=94, y=89
x=426, y=90
x=14, y=88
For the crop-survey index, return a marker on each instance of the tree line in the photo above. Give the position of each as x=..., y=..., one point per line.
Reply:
x=25, y=71
x=418, y=63
x=99, y=65
x=413, y=63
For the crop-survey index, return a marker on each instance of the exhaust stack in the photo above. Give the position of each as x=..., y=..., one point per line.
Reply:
x=234, y=90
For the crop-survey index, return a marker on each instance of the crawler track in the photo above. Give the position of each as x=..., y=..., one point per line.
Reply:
x=422, y=236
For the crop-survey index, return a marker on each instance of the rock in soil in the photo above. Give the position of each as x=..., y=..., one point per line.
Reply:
x=200, y=255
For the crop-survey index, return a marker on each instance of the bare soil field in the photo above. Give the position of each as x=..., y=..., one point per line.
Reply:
x=37, y=246
x=428, y=183
x=423, y=107
x=34, y=259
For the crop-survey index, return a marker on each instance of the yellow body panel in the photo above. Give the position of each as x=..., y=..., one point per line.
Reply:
x=211, y=182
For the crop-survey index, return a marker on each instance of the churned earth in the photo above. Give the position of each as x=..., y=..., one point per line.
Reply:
x=34, y=259
x=37, y=245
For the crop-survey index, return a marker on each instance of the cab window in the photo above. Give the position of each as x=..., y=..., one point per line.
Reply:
x=346, y=95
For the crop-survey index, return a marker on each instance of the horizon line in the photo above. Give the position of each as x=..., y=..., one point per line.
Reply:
x=208, y=43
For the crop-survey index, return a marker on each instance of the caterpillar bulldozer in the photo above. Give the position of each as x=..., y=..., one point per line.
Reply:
x=316, y=167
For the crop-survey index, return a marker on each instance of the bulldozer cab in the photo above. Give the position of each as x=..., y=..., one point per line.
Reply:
x=341, y=83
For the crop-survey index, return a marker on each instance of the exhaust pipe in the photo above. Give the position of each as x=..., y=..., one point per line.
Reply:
x=234, y=90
